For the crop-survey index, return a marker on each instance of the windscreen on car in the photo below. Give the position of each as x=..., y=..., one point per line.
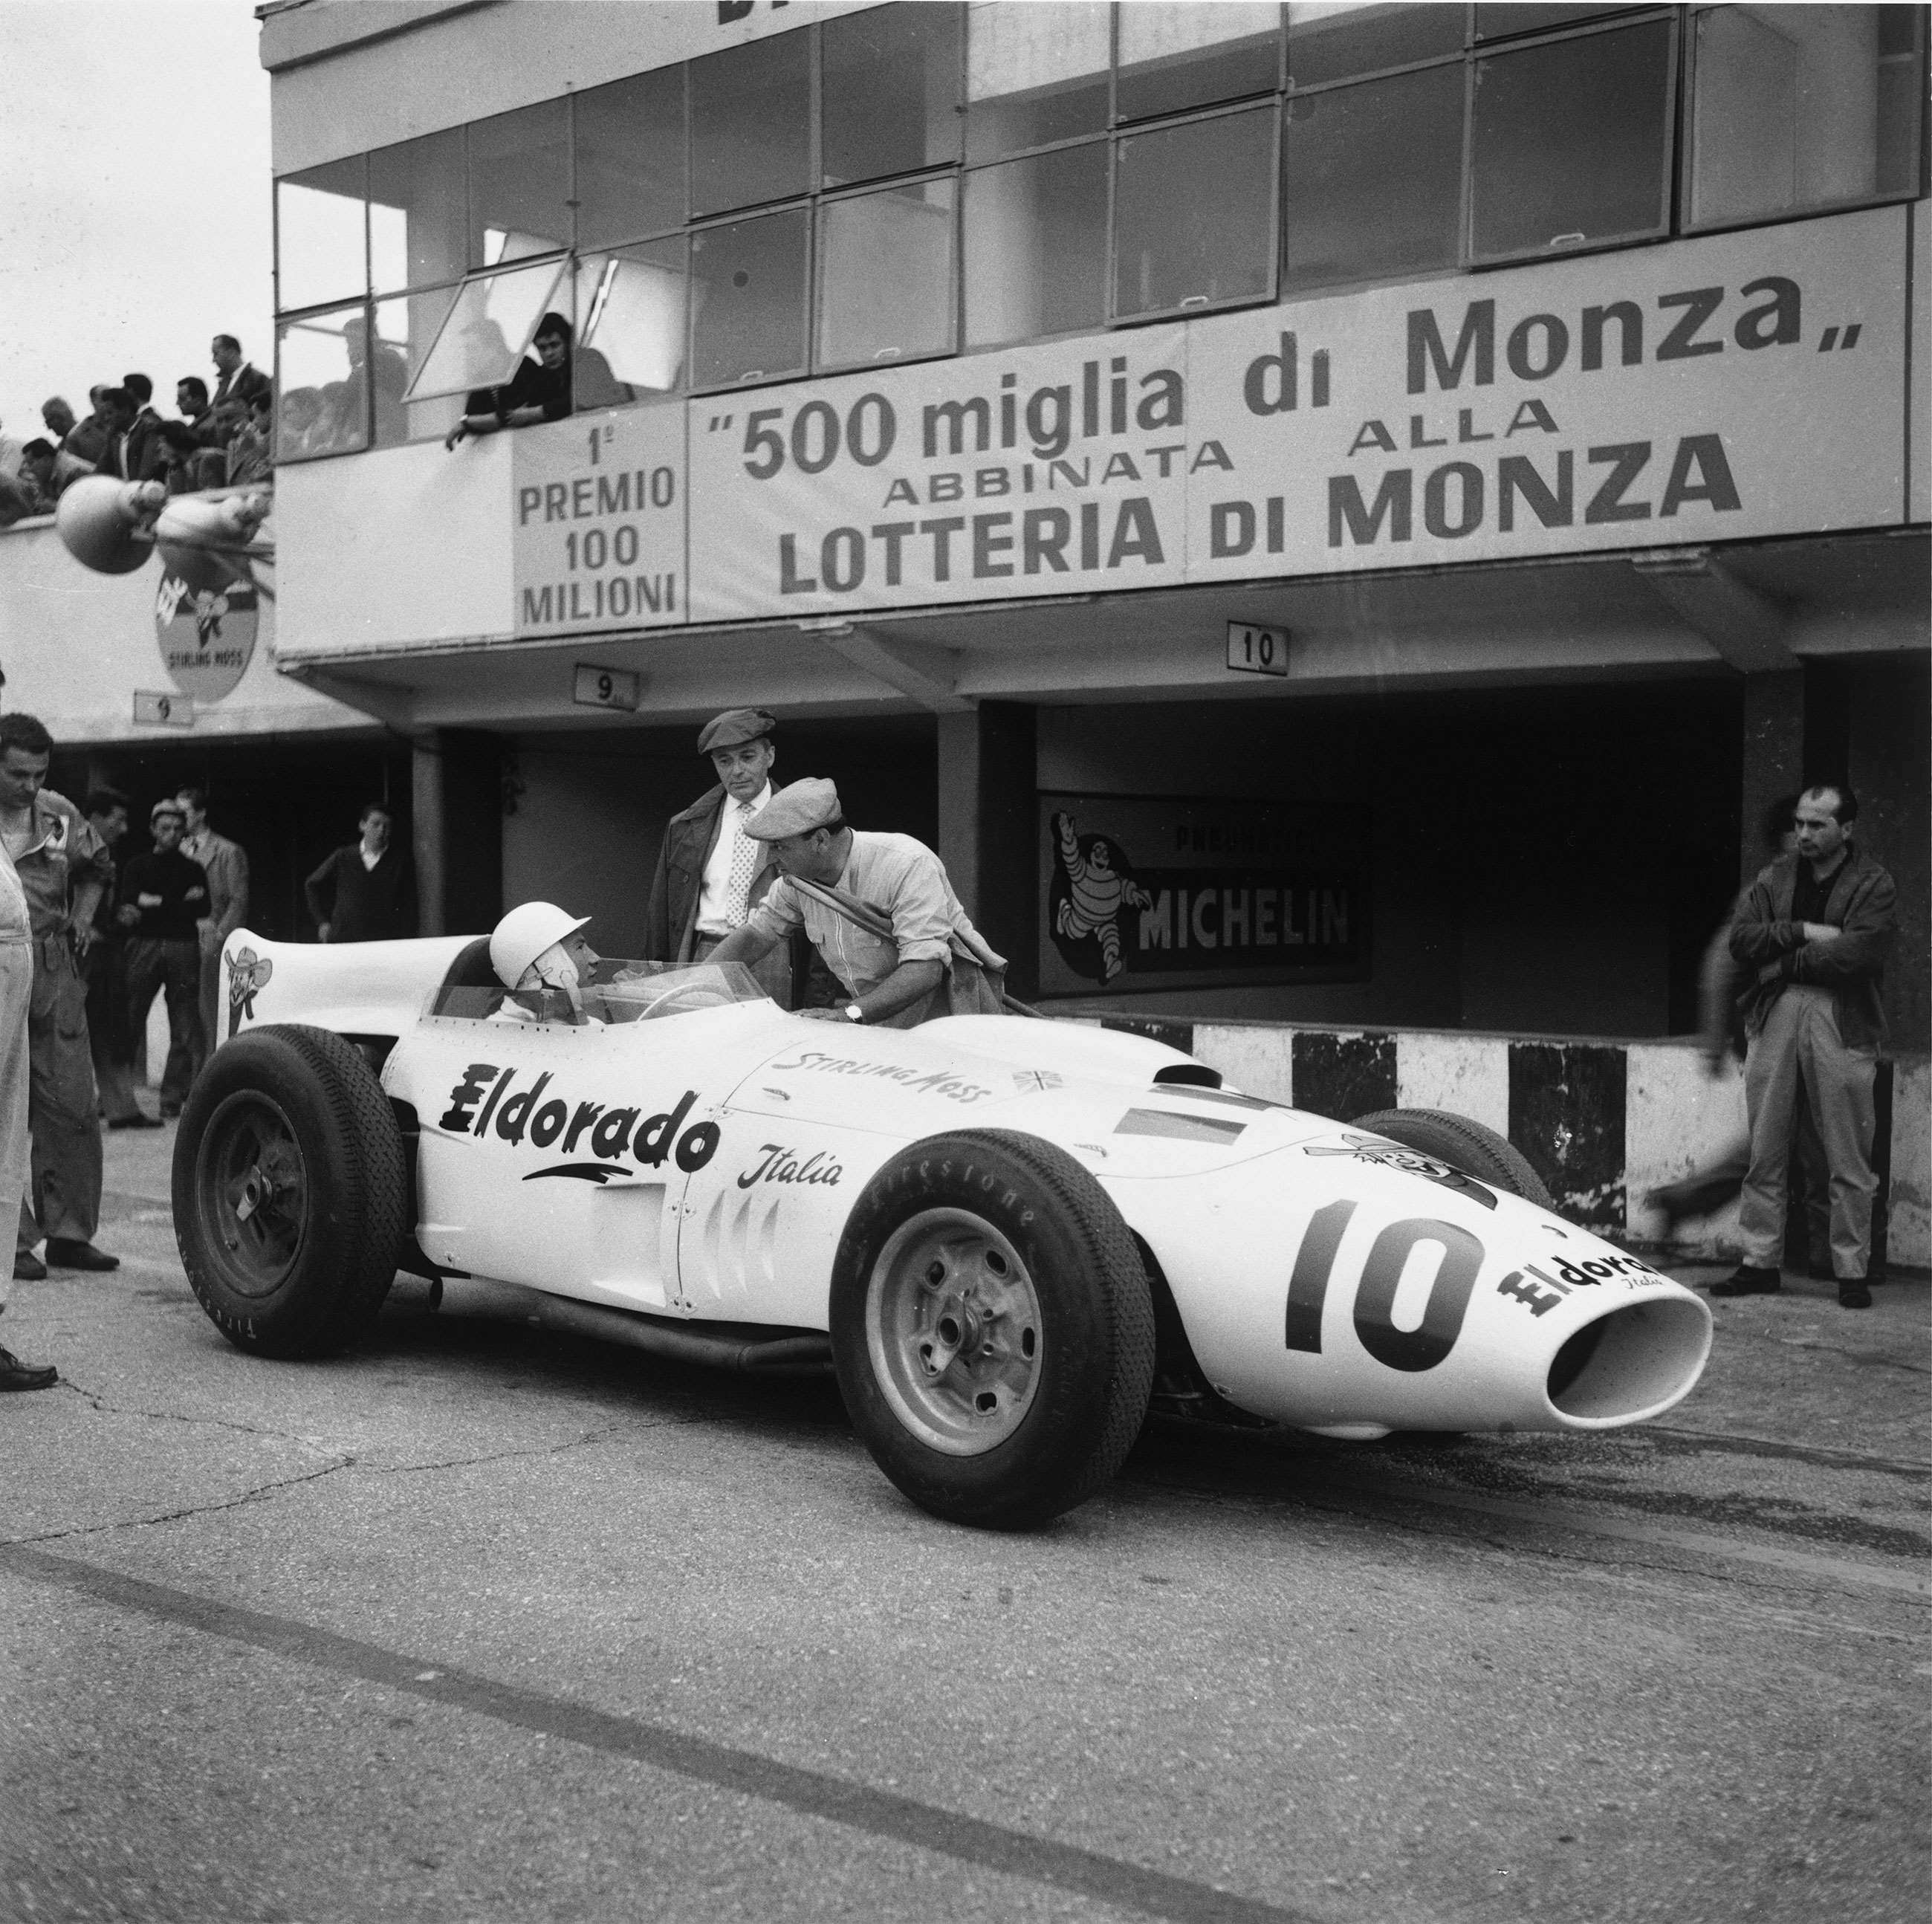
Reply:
x=616, y=989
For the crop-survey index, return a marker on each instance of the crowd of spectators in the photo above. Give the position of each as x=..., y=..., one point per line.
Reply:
x=222, y=437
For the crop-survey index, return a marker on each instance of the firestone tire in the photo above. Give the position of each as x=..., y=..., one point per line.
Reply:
x=1464, y=1145
x=291, y=1192
x=992, y=1328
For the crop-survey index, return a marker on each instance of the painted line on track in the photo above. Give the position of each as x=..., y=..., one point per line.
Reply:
x=881, y=1814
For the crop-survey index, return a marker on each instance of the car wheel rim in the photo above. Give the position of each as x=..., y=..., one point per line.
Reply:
x=952, y=1323
x=253, y=1187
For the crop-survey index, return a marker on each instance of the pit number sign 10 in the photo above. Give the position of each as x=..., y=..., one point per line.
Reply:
x=1257, y=651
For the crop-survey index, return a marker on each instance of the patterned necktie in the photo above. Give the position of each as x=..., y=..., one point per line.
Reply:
x=744, y=860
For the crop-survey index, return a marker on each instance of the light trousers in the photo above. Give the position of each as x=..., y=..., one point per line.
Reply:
x=17, y=995
x=1800, y=1044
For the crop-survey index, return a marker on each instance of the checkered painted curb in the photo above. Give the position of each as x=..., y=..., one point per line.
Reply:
x=1602, y=1122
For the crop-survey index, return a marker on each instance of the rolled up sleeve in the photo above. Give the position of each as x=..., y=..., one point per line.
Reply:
x=922, y=914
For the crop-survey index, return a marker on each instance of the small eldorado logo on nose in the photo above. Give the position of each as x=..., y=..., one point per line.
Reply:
x=247, y=973
x=1411, y=1162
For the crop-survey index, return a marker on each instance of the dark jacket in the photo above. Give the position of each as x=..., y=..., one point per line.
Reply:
x=1772, y=949
x=360, y=905
x=670, y=918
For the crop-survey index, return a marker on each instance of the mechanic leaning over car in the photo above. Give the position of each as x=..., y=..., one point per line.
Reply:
x=894, y=982
x=710, y=874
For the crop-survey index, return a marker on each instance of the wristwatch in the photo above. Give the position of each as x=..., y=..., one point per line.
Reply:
x=853, y=1013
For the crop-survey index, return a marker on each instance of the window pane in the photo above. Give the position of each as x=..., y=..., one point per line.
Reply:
x=404, y=329
x=751, y=123
x=1177, y=57
x=1374, y=178
x=1572, y=141
x=630, y=158
x=1037, y=246
x=322, y=406
x=630, y=317
x=1034, y=73
x=520, y=183
x=747, y=299
x=1901, y=97
x=885, y=274
x=418, y=223
x=1507, y=17
x=1336, y=39
x=1194, y=215
x=490, y=324
x=1792, y=110
x=890, y=80
x=318, y=234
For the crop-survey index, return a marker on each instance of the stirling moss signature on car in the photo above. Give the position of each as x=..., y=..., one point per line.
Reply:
x=520, y=1117
x=933, y=1082
x=778, y=1163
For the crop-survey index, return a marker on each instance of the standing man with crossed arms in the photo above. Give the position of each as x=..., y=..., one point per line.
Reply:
x=1814, y=931
x=710, y=874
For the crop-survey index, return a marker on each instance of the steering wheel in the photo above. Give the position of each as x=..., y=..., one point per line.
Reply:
x=685, y=997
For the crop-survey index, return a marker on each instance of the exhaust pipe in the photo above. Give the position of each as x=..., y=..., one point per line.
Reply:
x=806, y=1355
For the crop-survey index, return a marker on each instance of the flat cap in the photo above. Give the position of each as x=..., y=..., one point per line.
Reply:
x=733, y=726
x=167, y=805
x=809, y=803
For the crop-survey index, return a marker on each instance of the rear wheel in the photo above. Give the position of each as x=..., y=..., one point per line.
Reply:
x=992, y=1328
x=1472, y=1147
x=291, y=1191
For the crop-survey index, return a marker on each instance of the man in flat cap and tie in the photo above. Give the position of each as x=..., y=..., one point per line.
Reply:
x=894, y=980
x=709, y=872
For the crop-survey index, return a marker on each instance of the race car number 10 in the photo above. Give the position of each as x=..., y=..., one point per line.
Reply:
x=1412, y=1350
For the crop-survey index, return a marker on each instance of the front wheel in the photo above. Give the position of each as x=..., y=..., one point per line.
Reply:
x=291, y=1191
x=992, y=1327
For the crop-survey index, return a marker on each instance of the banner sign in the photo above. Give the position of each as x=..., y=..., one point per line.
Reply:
x=1730, y=387
x=1144, y=893
x=597, y=522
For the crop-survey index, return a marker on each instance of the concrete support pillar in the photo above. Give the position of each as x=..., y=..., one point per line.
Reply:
x=988, y=830
x=457, y=793
x=1773, y=761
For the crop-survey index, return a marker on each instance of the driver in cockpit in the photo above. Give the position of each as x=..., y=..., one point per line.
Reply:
x=538, y=946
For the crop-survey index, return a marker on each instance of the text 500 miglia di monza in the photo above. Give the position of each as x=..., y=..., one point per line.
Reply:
x=1007, y=1237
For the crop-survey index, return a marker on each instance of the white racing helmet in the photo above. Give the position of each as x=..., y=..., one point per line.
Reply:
x=525, y=933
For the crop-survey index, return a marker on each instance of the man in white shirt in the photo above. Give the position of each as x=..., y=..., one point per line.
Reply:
x=710, y=874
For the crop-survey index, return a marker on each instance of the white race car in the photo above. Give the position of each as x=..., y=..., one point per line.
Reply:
x=1007, y=1237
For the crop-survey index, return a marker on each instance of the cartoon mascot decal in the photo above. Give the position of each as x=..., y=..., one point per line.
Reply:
x=1093, y=882
x=247, y=973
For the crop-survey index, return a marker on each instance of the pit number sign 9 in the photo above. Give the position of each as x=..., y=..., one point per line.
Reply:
x=605, y=688
x=1257, y=651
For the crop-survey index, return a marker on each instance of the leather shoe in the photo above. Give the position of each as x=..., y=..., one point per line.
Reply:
x=15, y=1375
x=138, y=1121
x=28, y=1267
x=1746, y=1281
x=62, y=1254
x=1853, y=1294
